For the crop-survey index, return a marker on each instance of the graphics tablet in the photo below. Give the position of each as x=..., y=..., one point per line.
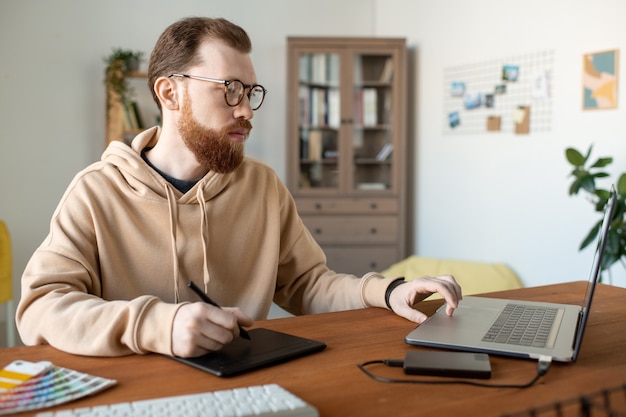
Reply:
x=266, y=347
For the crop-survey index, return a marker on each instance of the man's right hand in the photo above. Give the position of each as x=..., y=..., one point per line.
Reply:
x=200, y=328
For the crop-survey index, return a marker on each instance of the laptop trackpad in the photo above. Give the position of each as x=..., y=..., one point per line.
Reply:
x=466, y=323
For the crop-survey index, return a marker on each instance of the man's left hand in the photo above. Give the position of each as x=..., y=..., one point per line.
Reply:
x=404, y=297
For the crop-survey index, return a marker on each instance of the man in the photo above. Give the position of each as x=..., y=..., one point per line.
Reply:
x=184, y=204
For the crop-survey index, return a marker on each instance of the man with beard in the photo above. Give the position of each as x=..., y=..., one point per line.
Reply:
x=183, y=204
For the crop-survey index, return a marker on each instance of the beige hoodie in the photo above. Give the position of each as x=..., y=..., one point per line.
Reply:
x=123, y=243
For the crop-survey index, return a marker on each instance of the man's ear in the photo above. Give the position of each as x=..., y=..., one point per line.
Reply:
x=168, y=92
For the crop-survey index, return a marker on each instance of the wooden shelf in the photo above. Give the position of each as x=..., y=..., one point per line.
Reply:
x=116, y=126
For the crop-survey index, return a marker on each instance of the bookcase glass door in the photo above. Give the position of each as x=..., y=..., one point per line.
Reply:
x=319, y=120
x=372, y=136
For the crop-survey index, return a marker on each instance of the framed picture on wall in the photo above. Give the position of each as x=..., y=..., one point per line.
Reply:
x=600, y=77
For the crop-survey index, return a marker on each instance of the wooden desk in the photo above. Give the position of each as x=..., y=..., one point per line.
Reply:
x=331, y=381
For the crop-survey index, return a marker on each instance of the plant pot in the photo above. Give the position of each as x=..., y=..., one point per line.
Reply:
x=132, y=64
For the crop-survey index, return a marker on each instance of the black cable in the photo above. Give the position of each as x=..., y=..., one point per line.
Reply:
x=542, y=368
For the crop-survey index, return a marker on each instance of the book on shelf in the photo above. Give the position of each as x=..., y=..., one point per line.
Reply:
x=333, y=108
x=370, y=107
x=313, y=107
x=371, y=186
x=320, y=107
x=319, y=65
x=315, y=145
x=333, y=69
x=386, y=112
x=305, y=68
x=132, y=118
x=387, y=72
x=317, y=107
x=384, y=152
x=127, y=118
x=137, y=114
x=358, y=106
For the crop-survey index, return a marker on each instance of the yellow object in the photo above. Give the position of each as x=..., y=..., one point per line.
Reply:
x=473, y=277
x=6, y=289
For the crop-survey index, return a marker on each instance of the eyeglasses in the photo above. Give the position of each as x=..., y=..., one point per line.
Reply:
x=234, y=90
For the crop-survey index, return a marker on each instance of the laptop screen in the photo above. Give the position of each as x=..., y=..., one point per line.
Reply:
x=596, y=269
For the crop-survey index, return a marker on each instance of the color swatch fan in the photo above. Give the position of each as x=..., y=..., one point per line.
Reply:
x=34, y=385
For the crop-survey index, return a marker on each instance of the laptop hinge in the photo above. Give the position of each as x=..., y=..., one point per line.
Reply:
x=581, y=314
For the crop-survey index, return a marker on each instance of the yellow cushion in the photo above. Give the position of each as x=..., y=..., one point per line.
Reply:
x=6, y=291
x=473, y=277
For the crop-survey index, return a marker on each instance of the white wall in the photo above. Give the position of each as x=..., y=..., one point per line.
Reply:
x=486, y=197
x=503, y=197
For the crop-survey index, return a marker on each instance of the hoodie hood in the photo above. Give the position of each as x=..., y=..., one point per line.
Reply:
x=146, y=181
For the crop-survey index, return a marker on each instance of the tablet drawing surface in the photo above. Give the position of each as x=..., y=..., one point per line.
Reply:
x=266, y=348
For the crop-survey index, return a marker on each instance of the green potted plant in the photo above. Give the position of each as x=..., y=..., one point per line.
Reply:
x=585, y=174
x=118, y=63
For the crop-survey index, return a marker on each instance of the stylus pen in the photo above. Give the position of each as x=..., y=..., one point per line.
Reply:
x=242, y=332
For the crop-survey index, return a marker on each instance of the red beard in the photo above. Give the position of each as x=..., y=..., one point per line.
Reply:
x=212, y=148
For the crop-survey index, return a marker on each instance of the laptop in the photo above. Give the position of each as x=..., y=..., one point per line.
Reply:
x=482, y=324
x=265, y=348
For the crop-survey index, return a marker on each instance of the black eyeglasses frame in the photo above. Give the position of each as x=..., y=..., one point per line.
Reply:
x=226, y=83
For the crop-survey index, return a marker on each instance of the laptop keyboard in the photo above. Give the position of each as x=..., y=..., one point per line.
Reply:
x=522, y=325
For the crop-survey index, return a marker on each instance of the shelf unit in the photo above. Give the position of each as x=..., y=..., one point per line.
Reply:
x=118, y=127
x=347, y=147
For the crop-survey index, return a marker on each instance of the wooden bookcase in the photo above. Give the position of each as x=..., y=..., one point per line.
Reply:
x=347, y=145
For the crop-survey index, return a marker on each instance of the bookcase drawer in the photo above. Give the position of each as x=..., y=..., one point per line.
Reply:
x=347, y=206
x=359, y=261
x=353, y=230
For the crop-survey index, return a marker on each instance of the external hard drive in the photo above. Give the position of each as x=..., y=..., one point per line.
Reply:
x=446, y=363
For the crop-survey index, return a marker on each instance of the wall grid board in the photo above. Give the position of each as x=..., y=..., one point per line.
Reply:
x=530, y=88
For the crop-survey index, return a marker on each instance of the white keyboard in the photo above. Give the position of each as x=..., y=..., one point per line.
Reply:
x=269, y=400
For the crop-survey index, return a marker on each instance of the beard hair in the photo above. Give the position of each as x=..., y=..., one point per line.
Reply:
x=212, y=147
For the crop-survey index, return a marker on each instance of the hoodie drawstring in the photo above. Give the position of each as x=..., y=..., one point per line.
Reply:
x=206, y=277
x=173, y=210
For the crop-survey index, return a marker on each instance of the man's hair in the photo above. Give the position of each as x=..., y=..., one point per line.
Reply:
x=177, y=47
